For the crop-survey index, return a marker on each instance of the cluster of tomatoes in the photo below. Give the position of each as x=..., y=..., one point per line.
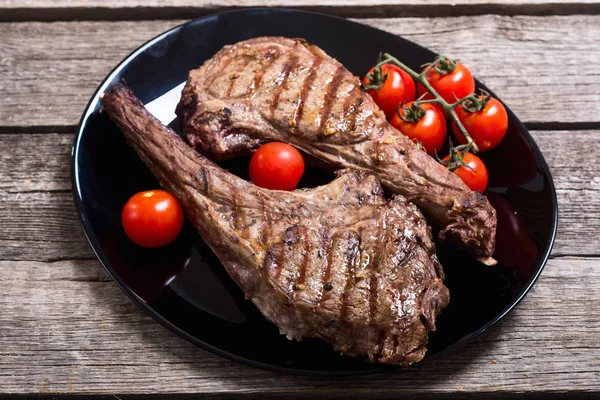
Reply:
x=395, y=92
x=154, y=218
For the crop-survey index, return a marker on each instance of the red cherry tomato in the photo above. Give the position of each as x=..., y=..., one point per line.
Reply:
x=398, y=88
x=456, y=84
x=152, y=219
x=430, y=129
x=276, y=166
x=486, y=127
x=476, y=177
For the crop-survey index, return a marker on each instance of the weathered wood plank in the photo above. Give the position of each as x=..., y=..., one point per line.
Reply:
x=64, y=330
x=40, y=226
x=50, y=70
x=35, y=164
x=571, y=156
x=37, y=214
x=50, y=10
x=40, y=223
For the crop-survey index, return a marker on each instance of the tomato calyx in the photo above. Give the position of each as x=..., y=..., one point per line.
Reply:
x=414, y=113
x=377, y=77
x=456, y=156
x=442, y=65
x=474, y=103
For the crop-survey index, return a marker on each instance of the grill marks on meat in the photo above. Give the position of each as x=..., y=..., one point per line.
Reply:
x=306, y=87
x=339, y=262
x=282, y=82
x=293, y=92
x=331, y=90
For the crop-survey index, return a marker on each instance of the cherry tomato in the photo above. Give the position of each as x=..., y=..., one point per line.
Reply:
x=398, y=88
x=430, y=129
x=456, y=84
x=276, y=166
x=486, y=127
x=152, y=219
x=475, y=178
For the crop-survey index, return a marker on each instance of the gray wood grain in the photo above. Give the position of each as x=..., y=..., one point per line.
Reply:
x=49, y=10
x=37, y=212
x=49, y=70
x=36, y=204
x=65, y=327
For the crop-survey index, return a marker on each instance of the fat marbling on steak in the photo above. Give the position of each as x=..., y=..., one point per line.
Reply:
x=338, y=262
x=278, y=89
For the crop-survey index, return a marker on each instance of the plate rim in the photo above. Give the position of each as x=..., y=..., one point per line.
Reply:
x=96, y=247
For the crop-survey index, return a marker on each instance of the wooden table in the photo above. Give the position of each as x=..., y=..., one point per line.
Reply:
x=65, y=327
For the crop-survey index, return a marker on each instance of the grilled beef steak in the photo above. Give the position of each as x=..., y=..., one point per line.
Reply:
x=339, y=262
x=278, y=89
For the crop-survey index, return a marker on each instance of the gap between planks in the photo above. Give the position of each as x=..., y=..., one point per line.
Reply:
x=50, y=70
x=531, y=126
x=91, y=263
x=311, y=394
x=93, y=338
x=10, y=130
x=40, y=222
x=64, y=10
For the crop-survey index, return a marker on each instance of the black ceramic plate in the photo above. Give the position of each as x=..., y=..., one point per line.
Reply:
x=184, y=286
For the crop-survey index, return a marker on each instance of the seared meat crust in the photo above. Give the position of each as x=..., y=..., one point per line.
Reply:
x=339, y=262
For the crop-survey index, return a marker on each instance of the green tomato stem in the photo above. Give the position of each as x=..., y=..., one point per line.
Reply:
x=449, y=108
x=429, y=67
x=427, y=101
